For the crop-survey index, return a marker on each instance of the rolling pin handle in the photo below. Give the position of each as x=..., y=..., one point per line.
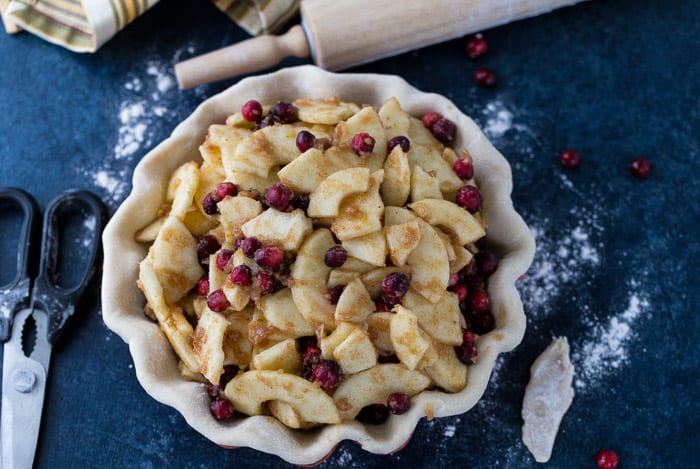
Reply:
x=247, y=56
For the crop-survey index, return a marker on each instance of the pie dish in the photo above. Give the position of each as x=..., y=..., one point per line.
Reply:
x=157, y=366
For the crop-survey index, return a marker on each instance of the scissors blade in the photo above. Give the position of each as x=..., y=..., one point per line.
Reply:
x=23, y=389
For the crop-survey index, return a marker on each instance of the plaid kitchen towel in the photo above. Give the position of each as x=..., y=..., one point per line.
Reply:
x=84, y=25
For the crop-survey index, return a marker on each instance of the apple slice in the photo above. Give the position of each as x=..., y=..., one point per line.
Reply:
x=283, y=356
x=371, y=248
x=430, y=267
x=282, y=313
x=354, y=304
x=285, y=229
x=360, y=214
x=440, y=320
x=459, y=222
x=307, y=170
x=424, y=185
x=401, y=240
x=394, y=119
x=397, y=178
x=207, y=344
x=328, y=111
x=356, y=353
x=366, y=120
x=408, y=340
x=325, y=200
x=447, y=371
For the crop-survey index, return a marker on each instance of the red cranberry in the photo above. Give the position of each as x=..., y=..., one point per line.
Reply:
x=607, y=459
x=203, y=286
x=401, y=141
x=398, y=403
x=278, y=196
x=223, y=258
x=463, y=169
x=475, y=282
x=209, y=203
x=477, y=46
x=395, y=286
x=469, y=198
x=461, y=291
x=453, y=280
x=311, y=356
x=252, y=111
x=467, y=352
x=269, y=257
x=230, y=372
x=327, y=374
x=374, y=414
x=250, y=245
x=287, y=112
x=213, y=391
x=479, y=301
x=380, y=305
x=486, y=262
x=301, y=201
x=225, y=189
x=363, y=143
x=481, y=323
x=335, y=256
x=485, y=77
x=334, y=293
x=444, y=130
x=570, y=158
x=268, y=120
x=305, y=140
x=640, y=168
x=217, y=301
x=221, y=409
x=430, y=118
x=241, y=275
x=208, y=244
x=266, y=282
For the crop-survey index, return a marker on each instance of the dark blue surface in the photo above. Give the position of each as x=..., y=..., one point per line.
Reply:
x=614, y=79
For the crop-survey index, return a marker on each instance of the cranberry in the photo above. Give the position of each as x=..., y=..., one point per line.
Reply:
x=469, y=198
x=311, y=356
x=301, y=201
x=401, y=141
x=640, y=168
x=266, y=282
x=374, y=414
x=217, y=301
x=213, y=391
x=335, y=256
x=479, y=301
x=461, y=291
x=287, y=112
x=467, y=352
x=307, y=341
x=240, y=275
x=278, y=196
x=268, y=120
x=380, y=305
x=305, y=140
x=225, y=189
x=485, y=77
x=209, y=203
x=250, y=245
x=223, y=258
x=203, y=286
x=207, y=245
x=475, y=282
x=463, y=169
x=398, y=403
x=430, y=118
x=230, y=372
x=453, y=280
x=477, y=46
x=363, y=143
x=395, y=286
x=221, y=409
x=334, y=293
x=327, y=374
x=607, y=459
x=481, y=323
x=252, y=111
x=444, y=130
x=570, y=158
x=269, y=257
x=486, y=262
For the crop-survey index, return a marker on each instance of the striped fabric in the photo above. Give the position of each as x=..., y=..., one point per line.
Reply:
x=84, y=25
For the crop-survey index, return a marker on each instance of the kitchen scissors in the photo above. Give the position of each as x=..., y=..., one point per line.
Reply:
x=36, y=293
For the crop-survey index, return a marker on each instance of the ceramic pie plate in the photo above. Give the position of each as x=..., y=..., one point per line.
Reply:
x=155, y=362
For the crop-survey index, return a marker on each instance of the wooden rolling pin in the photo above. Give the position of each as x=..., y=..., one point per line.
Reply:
x=340, y=34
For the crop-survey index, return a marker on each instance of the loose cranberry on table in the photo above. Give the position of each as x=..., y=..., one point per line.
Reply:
x=640, y=168
x=469, y=198
x=363, y=143
x=398, y=403
x=217, y=301
x=335, y=257
x=241, y=275
x=287, y=112
x=226, y=189
x=269, y=257
x=401, y=141
x=395, y=286
x=207, y=245
x=570, y=158
x=485, y=77
x=278, y=196
x=444, y=130
x=477, y=46
x=326, y=373
x=209, y=203
x=305, y=140
x=607, y=459
x=463, y=169
x=252, y=111
x=375, y=414
x=221, y=409
x=250, y=245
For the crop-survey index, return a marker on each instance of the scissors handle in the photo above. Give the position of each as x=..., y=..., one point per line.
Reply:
x=16, y=293
x=59, y=302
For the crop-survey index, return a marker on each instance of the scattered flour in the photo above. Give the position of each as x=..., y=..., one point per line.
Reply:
x=499, y=120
